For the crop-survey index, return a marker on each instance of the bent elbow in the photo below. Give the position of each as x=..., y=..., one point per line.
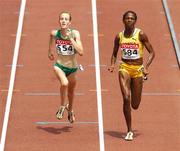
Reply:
x=81, y=53
x=153, y=55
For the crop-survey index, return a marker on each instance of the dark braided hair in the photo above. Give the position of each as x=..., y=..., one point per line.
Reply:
x=129, y=11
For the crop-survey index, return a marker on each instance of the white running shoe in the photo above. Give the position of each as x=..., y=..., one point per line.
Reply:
x=60, y=112
x=71, y=116
x=129, y=136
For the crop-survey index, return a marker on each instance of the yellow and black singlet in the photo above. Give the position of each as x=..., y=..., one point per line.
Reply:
x=131, y=47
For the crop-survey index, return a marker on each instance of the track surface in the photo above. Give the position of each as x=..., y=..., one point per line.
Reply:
x=156, y=123
x=8, y=27
x=35, y=99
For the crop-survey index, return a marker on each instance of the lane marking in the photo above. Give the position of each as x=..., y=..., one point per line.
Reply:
x=25, y=13
x=162, y=12
x=172, y=31
x=18, y=65
x=6, y=90
x=14, y=35
x=99, y=35
x=101, y=65
x=98, y=80
x=97, y=12
x=167, y=35
x=48, y=94
x=174, y=66
x=161, y=94
x=49, y=123
x=95, y=90
x=13, y=73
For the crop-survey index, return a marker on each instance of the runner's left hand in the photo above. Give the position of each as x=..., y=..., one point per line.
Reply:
x=69, y=33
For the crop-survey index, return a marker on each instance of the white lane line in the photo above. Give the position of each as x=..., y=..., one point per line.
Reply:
x=14, y=35
x=26, y=12
x=100, y=35
x=5, y=90
x=161, y=94
x=101, y=65
x=172, y=31
x=98, y=80
x=49, y=123
x=48, y=94
x=97, y=12
x=102, y=90
x=174, y=66
x=18, y=65
x=13, y=73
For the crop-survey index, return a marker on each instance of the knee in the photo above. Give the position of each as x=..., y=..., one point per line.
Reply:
x=135, y=106
x=126, y=102
x=126, y=99
x=70, y=94
x=135, y=102
x=72, y=85
x=64, y=83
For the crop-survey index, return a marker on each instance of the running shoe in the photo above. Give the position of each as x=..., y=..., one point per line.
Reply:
x=129, y=136
x=67, y=107
x=71, y=116
x=60, y=112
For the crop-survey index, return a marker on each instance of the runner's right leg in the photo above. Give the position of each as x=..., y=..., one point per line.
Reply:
x=125, y=81
x=63, y=90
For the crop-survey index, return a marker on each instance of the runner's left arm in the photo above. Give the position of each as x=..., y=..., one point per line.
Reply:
x=74, y=36
x=144, y=39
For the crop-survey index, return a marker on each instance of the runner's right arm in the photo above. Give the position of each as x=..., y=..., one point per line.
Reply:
x=114, y=54
x=51, y=39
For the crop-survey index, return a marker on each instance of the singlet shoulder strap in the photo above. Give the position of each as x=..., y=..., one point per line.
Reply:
x=136, y=31
x=120, y=36
x=73, y=33
x=58, y=34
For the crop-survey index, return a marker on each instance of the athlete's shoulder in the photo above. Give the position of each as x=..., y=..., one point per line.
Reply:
x=54, y=32
x=117, y=39
x=138, y=30
x=117, y=36
x=121, y=32
x=142, y=36
x=75, y=31
x=120, y=35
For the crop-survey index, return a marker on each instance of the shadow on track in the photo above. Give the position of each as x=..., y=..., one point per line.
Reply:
x=54, y=130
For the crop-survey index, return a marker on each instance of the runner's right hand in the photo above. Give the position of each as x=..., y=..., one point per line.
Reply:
x=51, y=56
x=111, y=69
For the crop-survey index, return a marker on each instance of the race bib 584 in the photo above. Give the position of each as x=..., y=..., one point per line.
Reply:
x=130, y=51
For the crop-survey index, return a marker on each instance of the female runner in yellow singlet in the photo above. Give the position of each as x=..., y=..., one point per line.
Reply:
x=131, y=42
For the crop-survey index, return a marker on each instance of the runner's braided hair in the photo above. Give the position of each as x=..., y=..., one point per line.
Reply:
x=130, y=11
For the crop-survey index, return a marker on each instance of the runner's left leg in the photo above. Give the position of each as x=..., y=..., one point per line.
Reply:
x=136, y=91
x=71, y=88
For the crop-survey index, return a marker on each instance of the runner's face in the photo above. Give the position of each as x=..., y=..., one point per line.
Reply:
x=129, y=20
x=64, y=20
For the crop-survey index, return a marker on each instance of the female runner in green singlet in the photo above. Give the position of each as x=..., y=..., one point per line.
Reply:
x=68, y=44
